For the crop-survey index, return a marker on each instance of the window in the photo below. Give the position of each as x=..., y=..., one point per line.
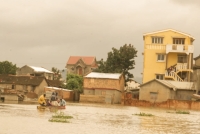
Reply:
x=103, y=92
x=182, y=59
x=24, y=87
x=160, y=76
x=178, y=41
x=153, y=95
x=157, y=40
x=32, y=88
x=161, y=57
x=13, y=86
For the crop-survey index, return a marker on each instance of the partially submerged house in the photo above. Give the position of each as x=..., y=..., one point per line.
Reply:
x=35, y=71
x=162, y=90
x=30, y=86
x=196, y=74
x=81, y=65
x=106, y=86
x=133, y=88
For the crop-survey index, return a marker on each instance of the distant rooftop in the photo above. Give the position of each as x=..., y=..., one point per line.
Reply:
x=177, y=84
x=40, y=69
x=103, y=75
x=174, y=84
x=89, y=60
x=159, y=31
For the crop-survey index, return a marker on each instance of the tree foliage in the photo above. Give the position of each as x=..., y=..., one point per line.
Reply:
x=75, y=82
x=7, y=67
x=119, y=61
x=57, y=74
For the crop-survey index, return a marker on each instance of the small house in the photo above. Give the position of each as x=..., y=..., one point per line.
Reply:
x=35, y=71
x=107, y=86
x=133, y=88
x=196, y=74
x=81, y=65
x=162, y=90
x=30, y=86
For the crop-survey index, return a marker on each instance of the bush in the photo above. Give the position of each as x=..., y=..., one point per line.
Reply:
x=60, y=117
x=182, y=112
x=144, y=114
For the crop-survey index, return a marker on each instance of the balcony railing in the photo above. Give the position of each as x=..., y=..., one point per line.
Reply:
x=180, y=48
x=171, y=48
x=155, y=46
x=181, y=66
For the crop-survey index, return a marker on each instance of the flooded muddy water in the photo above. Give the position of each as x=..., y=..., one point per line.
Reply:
x=96, y=119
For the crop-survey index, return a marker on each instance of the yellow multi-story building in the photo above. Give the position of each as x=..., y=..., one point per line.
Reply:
x=168, y=55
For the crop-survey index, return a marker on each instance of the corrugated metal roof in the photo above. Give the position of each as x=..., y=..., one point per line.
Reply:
x=40, y=69
x=56, y=88
x=103, y=75
x=177, y=84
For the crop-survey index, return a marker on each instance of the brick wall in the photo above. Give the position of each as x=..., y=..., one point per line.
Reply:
x=169, y=104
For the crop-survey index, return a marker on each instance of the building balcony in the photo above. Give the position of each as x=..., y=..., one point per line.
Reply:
x=179, y=48
x=155, y=46
x=171, y=48
x=173, y=71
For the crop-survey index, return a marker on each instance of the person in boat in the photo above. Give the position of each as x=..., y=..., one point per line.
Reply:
x=54, y=101
x=53, y=97
x=62, y=102
x=56, y=96
x=48, y=102
x=41, y=100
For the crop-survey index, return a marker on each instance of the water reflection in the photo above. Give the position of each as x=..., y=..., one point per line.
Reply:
x=98, y=119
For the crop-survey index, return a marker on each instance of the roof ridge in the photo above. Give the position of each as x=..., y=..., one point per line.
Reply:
x=169, y=29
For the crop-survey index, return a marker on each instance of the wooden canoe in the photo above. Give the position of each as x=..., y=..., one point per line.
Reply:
x=50, y=107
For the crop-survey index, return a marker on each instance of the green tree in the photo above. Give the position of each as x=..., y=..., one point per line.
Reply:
x=119, y=61
x=101, y=66
x=74, y=82
x=57, y=74
x=7, y=67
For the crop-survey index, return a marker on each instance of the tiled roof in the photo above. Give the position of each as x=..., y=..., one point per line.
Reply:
x=21, y=80
x=103, y=75
x=87, y=60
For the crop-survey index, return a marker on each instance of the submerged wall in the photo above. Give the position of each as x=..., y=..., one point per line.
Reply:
x=169, y=104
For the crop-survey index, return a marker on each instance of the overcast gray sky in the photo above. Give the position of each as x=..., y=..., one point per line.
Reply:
x=46, y=32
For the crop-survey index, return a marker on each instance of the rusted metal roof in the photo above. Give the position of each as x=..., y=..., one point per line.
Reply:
x=21, y=80
x=103, y=75
x=54, y=83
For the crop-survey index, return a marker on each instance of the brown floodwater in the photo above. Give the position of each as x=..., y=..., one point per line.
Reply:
x=96, y=119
